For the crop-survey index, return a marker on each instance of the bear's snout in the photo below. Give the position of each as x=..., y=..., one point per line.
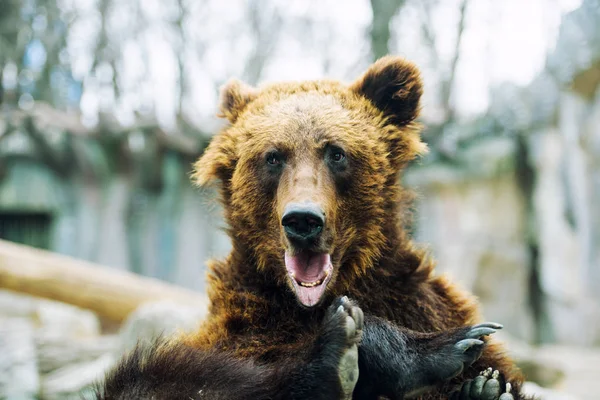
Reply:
x=303, y=223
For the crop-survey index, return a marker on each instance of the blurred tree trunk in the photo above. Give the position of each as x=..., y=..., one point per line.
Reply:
x=448, y=83
x=180, y=51
x=104, y=52
x=266, y=24
x=54, y=41
x=1, y=80
x=383, y=13
x=12, y=47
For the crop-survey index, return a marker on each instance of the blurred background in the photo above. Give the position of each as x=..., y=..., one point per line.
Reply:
x=104, y=105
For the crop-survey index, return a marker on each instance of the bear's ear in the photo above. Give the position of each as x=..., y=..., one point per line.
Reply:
x=394, y=86
x=235, y=96
x=217, y=162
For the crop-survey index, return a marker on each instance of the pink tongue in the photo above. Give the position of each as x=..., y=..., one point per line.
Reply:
x=308, y=267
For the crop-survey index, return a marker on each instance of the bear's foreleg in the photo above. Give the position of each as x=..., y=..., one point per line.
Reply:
x=171, y=370
x=398, y=363
x=332, y=371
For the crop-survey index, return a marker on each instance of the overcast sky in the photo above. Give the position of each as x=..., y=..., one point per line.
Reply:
x=504, y=41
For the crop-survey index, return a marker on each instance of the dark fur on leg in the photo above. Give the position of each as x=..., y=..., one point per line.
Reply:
x=399, y=363
x=173, y=371
x=169, y=370
x=393, y=362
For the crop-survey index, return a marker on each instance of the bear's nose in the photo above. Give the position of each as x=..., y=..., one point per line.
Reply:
x=302, y=222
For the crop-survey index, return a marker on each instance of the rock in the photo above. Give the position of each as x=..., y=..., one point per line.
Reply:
x=556, y=370
x=68, y=382
x=532, y=389
x=476, y=229
x=18, y=367
x=61, y=319
x=55, y=352
x=580, y=367
x=14, y=304
x=162, y=318
x=542, y=373
x=562, y=211
x=50, y=317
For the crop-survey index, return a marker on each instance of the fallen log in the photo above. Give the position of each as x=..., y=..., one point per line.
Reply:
x=111, y=293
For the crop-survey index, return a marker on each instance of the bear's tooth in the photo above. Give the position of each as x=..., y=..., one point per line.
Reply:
x=311, y=284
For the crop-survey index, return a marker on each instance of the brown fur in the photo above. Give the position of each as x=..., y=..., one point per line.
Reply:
x=254, y=312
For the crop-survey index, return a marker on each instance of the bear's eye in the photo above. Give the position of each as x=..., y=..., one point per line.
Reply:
x=338, y=156
x=335, y=155
x=336, y=159
x=274, y=158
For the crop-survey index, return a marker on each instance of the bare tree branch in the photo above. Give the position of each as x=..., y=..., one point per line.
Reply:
x=54, y=41
x=426, y=30
x=1, y=84
x=182, y=12
x=383, y=12
x=266, y=32
x=102, y=40
x=103, y=52
x=13, y=41
x=448, y=84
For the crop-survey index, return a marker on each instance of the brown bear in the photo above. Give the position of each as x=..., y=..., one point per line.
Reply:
x=309, y=181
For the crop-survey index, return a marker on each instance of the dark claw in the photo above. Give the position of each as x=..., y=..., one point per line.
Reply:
x=466, y=344
x=480, y=331
x=493, y=325
x=506, y=395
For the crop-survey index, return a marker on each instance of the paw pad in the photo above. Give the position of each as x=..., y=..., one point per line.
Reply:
x=353, y=319
x=486, y=386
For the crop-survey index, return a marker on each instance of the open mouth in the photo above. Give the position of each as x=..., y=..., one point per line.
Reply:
x=309, y=272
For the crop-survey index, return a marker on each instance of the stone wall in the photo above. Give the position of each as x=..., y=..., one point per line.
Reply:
x=516, y=219
x=476, y=229
x=54, y=351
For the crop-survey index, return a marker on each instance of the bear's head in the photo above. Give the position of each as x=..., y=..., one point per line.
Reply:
x=309, y=173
